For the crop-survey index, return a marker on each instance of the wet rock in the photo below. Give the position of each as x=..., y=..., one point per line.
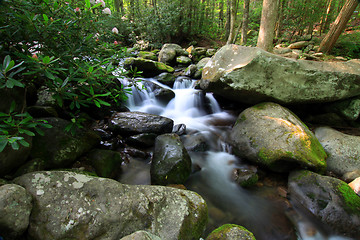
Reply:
x=200, y=66
x=149, y=68
x=190, y=70
x=244, y=177
x=272, y=136
x=142, y=140
x=11, y=159
x=65, y=148
x=331, y=200
x=147, y=55
x=171, y=163
x=343, y=151
x=36, y=164
x=251, y=75
x=169, y=52
x=198, y=53
x=183, y=60
x=141, y=235
x=179, y=129
x=210, y=52
x=230, y=232
x=132, y=123
x=349, y=108
x=106, y=163
x=15, y=209
x=355, y=185
x=282, y=50
x=75, y=206
x=42, y=111
x=195, y=143
x=166, y=78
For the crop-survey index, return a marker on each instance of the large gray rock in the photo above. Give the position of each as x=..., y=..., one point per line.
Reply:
x=272, y=136
x=69, y=205
x=231, y=232
x=252, y=75
x=59, y=148
x=11, y=159
x=107, y=163
x=15, y=209
x=169, y=52
x=141, y=235
x=343, y=151
x=132, y=123
x=171, y=163
x=331, y=200
x=149, y=68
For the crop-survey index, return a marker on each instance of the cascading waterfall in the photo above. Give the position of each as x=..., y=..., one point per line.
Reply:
x=200, y=113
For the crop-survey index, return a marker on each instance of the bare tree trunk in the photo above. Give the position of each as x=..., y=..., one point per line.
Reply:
x=245, y=23
x=279, y=22
x=338, y=27
x=221, y=14
x=267, y=25
x=232, y=22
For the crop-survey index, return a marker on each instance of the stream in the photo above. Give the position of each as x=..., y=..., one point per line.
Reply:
x=260, y=209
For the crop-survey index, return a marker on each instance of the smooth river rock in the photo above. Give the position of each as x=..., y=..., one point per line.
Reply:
x=69, y=205
x=252, y=75
x=272, y=136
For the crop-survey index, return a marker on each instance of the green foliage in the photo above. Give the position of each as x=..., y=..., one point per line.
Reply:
x=7, y=73
x=349, y=44
x=14, y=125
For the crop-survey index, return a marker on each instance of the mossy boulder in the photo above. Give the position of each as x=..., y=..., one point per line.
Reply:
x=183, y=60
x=107, y=163
x=147, y=55
x=343, y=152
x=331, y=200
x=141, y=235
x=59, y=149
x=169, y=52
x=272, y=136
x=166, y=78
x=230, y=232
x=171, y=163
x=70, y=205
x=148, y=67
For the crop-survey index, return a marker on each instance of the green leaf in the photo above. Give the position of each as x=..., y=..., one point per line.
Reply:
x=27, y=132
x=12, y=107
x=46, y=19
x=104, y=103
x=96, y=5
x=91, y=90
x=39, y=131
x=24, y=143
x=6, y=63
x=3, y=143
x=87, y=4
x=10, y=66
x=15, y=145
x=97, y=103
x=3, y=114
x=91, y=69
x=49, y=75
x=46, y=60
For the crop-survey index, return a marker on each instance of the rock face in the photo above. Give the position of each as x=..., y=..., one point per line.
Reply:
x=230, y=232
x=132, y=123
x=169, y=52
x=331, y=200
x=171, y=163
x=59, y=148
x=272, y=136
x=11, y=159
x=15, y=209
x=251, y=75
x=141, y=235
x=107, y=163
x=68, y=205
x=343, y=151
x=148, y=67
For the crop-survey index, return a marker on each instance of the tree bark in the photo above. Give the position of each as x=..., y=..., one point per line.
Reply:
x=338, y=26
x=267, y=25
x=232, y=22
x=245, y=23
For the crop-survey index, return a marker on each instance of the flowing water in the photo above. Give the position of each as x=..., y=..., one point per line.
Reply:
x=264, y=214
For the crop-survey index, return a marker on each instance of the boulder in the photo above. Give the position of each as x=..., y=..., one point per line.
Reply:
x=299, y=45
x=142, y=139
x=107, y=163
x=147, y=55
x=60, y=149
x=230, y=232
x=169, y=52
x=251, y=75
x=148, y=67
x=171, y=163
x=355, y=185
x=11, y=159
x=245, y=177
x=15, y=209
x=348, y=108
x=183, y=60
x=331, y=200
x=272, y=136
x=200, y=66
x=141, y=235
x=166, y=78
x=69, y=205
x=9, y=95
x=132, y=123
x=343, y=151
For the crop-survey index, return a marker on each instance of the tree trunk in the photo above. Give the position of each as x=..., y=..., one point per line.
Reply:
x=267, y=25
x=232, y=22
x=338, y=26
x=245, y=23
x=279, y=23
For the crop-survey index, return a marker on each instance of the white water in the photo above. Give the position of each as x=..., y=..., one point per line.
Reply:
x=202, y=114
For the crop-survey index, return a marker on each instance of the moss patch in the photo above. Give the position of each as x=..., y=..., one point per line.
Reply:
x=352, y=201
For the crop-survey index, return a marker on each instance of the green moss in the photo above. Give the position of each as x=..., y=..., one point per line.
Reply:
x=261, y=106
x=163, y=67
x=352, y=201
x=222, y=233
x=241, y=118
x=226, y=227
